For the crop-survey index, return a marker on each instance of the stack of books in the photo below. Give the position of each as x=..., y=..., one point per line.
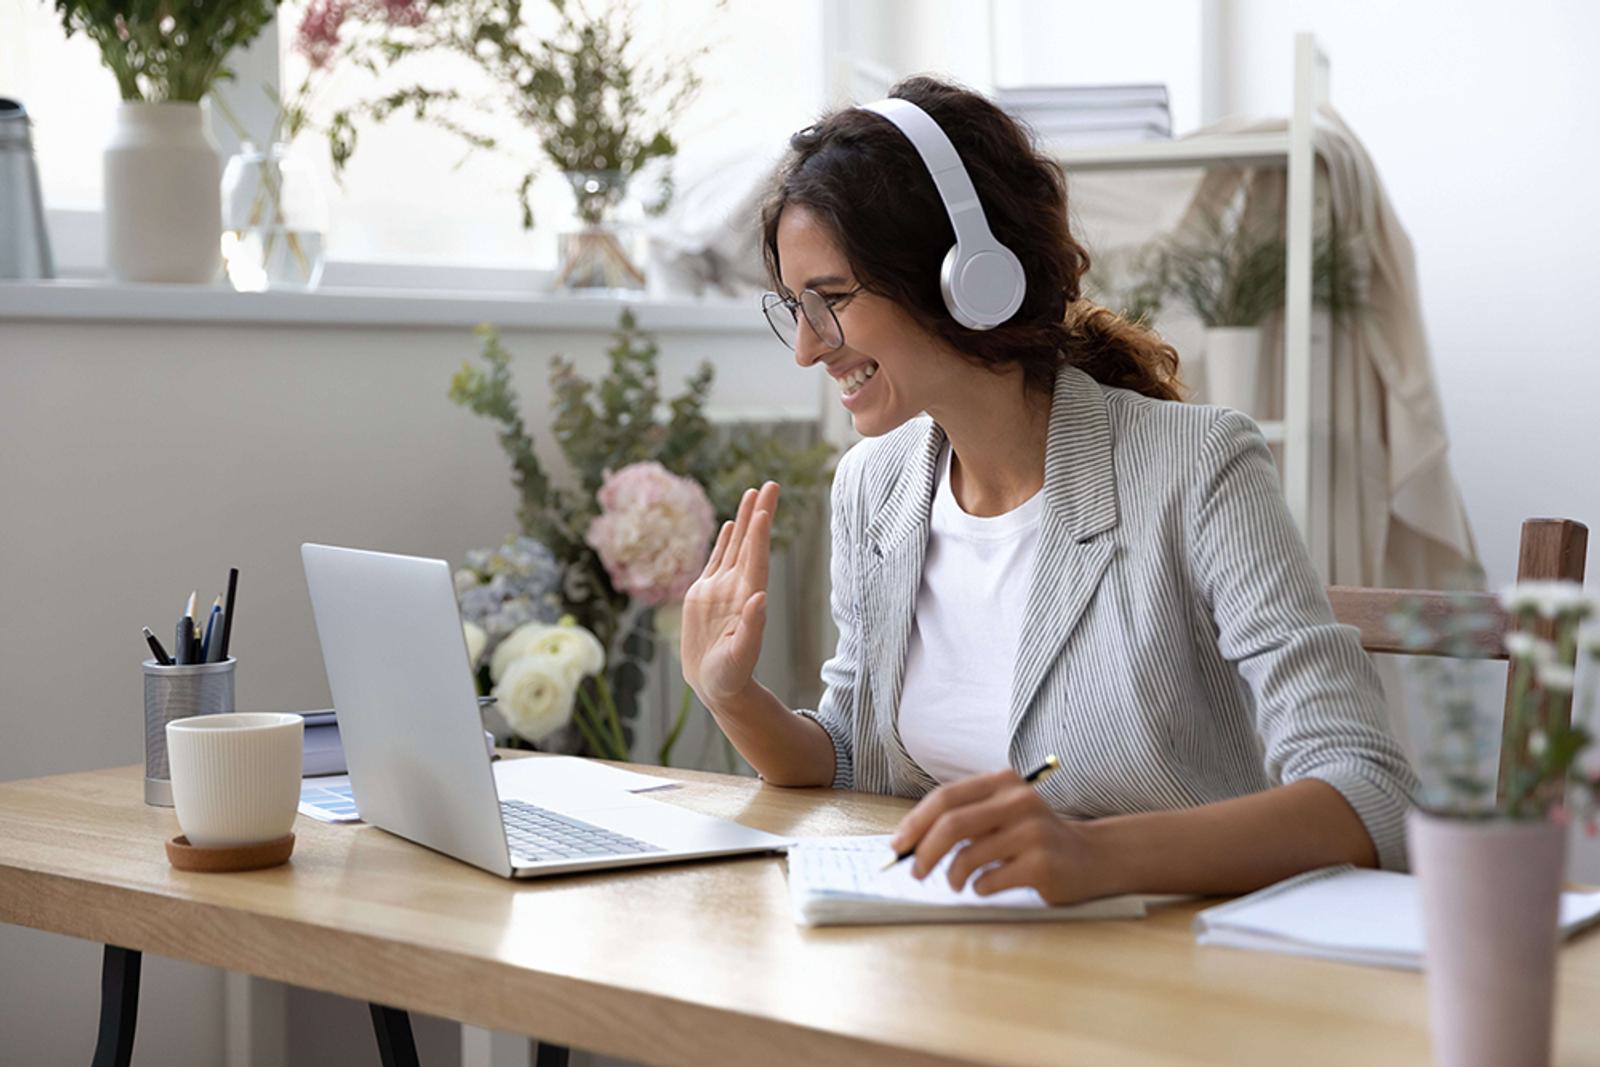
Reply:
x=1075, y=116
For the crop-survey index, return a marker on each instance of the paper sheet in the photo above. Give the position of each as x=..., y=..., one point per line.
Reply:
x=840, y=880
x=1346, y=914
x=327, y=799
x=850, y=866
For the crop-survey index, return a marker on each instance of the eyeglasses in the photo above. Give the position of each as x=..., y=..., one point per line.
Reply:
x=783, y=315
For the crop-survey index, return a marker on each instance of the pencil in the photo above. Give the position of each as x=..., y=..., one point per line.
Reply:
x=1033, y=777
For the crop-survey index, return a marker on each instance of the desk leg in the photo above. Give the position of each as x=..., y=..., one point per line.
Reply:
x=396, y=1046
x=550, y=1055
x=119, y=1006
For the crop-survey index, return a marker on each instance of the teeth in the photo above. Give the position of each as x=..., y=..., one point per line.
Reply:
x=857, y=378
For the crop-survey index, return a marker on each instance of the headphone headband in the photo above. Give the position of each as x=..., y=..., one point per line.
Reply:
x=982, y=280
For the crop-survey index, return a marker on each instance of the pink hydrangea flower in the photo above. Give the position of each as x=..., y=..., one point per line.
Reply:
x=653, y=532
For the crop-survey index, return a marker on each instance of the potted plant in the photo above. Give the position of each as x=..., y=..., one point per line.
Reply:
x=598, y=105
x=163, y=210
x=1489, y=849
x=1232, y=275
x=611, y=551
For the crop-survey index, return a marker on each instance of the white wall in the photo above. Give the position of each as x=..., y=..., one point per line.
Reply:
x=1480, y=117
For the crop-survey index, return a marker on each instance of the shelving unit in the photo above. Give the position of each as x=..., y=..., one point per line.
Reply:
x=1304, y=432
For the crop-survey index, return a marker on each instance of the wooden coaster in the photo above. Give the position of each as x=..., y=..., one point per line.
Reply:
x=187, y=857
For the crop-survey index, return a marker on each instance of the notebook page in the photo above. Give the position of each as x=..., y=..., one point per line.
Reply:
x=849, y=868
x=1342, y=913
x=1342, y=909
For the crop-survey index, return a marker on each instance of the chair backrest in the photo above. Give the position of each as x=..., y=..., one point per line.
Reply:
x=1552, y=549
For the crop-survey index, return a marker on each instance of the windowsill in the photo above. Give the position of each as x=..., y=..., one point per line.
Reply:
x=63, y=300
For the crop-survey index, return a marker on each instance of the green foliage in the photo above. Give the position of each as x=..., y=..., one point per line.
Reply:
x=1232, y=274
x=166, y=50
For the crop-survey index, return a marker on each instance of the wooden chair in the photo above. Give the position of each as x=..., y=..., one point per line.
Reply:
x=1552, y=549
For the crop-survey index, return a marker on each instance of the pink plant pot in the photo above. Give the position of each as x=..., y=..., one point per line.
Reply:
x=1490, y=893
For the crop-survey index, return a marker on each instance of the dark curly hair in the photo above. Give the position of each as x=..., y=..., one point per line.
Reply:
x=865, y=181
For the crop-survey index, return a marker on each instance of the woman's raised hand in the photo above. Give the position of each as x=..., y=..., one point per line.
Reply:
x=725, y=610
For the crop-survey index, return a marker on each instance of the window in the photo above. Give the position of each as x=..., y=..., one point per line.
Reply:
x=414, y=193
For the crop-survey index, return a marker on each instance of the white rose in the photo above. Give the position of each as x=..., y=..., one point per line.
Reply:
x=534, y=696
x=476, y=640
x=516, y=645
x=572, y=647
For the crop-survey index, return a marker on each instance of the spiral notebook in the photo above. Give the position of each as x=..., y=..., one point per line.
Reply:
x=1346, y=914
x=840, y=880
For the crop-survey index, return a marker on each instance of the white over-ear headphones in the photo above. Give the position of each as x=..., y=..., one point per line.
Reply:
x=981, y=279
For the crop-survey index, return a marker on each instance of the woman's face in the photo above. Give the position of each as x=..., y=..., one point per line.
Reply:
x=889, y=369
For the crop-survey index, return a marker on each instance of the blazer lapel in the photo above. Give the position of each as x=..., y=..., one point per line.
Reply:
x=1080, y=503
x=897, y=544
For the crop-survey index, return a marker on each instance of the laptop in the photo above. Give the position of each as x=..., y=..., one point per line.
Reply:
x=402, y=685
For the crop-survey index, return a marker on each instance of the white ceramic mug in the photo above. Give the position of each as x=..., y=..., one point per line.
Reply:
x=235, y=777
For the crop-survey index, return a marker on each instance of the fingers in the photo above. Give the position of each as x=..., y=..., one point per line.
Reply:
x=741, y=522
x=968, y=790
x=1004, y=807
x=766, y=503
x=1002, y=846
x=723, y=537
x=756, y=555
x=1026, y=869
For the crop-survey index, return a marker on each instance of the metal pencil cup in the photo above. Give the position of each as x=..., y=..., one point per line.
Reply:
x=176, y=693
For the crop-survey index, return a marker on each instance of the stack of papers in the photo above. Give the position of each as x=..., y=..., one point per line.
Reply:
x=839, y=880
x=1346, y=914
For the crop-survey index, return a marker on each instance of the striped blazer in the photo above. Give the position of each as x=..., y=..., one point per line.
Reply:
x=1177, y=647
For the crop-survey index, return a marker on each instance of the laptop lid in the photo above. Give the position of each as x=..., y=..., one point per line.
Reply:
x=397, y=665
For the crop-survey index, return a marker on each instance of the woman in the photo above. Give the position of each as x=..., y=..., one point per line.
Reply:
x=1057, y=557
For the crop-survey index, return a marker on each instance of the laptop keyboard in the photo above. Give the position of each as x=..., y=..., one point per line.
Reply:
x=538, y=834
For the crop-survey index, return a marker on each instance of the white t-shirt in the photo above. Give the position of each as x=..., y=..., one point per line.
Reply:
x=956, y=700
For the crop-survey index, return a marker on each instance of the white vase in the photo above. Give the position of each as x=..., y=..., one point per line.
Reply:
x=1490, y=892
x=1233, y=368
x=163, y=196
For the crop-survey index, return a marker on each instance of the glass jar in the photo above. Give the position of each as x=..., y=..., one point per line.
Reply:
x=602, y=247
x=274, y=221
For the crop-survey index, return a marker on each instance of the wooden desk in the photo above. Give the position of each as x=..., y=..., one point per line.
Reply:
x=701, y=963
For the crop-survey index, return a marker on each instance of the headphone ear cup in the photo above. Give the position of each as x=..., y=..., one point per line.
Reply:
x=983, y=289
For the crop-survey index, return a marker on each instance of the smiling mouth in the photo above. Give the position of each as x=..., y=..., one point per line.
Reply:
x=853, y=381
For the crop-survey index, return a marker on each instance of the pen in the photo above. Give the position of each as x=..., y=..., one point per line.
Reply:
x=227, y=612
x=1033, y=777
x=155, y=647
x=212, y=642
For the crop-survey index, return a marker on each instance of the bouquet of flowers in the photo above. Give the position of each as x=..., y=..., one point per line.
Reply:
x=618, y=546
